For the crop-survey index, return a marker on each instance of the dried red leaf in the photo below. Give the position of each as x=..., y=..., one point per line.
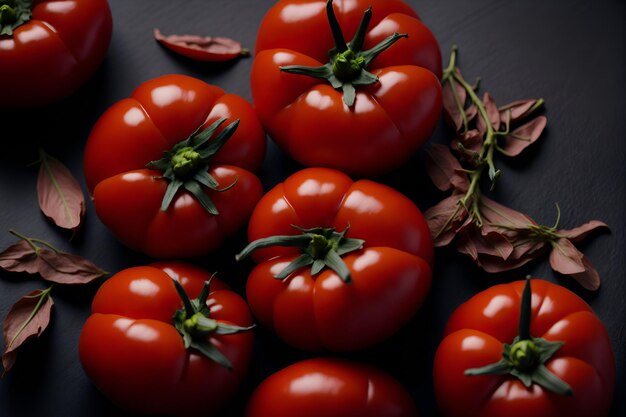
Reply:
x=501, y=216
x=524, y=136
x=589, y=279
x=66, y=268
x=469, y=144
x=202, y=48
x=565, y=258
x=444, y=219
x=579, y=233
x=568, y=260
x=492, y=113
x=476, y=242
x=518, y=110
x=443, y=168
x=53, y=265
x=28, y=318
x=60, y=197
x=20, y=257
x=454, y=96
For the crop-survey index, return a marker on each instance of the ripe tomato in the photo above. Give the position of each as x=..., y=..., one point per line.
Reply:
x=131, y=198
x=376, y=276
x=132, y=351
x=330, y=388
x=396, y=98
x=50, y=48
x=567, y=371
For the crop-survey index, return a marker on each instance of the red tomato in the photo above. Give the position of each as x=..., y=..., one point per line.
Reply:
x=158, y=116
x=53, y=53
x=390, y=275
x=308, y=118
x=475, y=337
x=330, y=388
x=132, y=352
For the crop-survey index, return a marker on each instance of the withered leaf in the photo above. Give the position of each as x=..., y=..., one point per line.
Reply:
x=20, y=257
x=565, y=258
x=498, y=215
x=579, y=233
x=444, y=218
x=518, y=110
x=28, y=318
x=524, y=136
x=492, y=113
x=442, y=167
x=50, y=263
x=454, y=96
x=59, y=194
x=66, y=268
x=589, y=279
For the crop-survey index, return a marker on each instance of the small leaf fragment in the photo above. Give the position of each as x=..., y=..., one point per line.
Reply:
x=28, y=318
x=492, y=113
x=202, y=48
x=59, y=194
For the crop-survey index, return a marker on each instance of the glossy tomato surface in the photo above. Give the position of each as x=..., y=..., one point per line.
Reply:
x=330, y=388
x=54, y=53
x=307, y=117
x=475, y=335
x=134, y=131
x=134, y=355
x=391, y=275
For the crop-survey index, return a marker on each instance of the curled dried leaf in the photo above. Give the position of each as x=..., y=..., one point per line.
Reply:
x=202, y=48
x=524, y=136
x=492, y=113
x=579, y=233
x=28, y=318
x=443, y=168
x=568, y=260
x=59, y=194
x=500, y=216
x=565, y=258
x=519, y=110
x=444, y=219
x=454, y=97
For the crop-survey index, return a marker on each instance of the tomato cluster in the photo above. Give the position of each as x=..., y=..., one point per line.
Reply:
x=342, y=264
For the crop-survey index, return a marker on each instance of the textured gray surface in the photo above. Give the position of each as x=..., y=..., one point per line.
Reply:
x=571, y=53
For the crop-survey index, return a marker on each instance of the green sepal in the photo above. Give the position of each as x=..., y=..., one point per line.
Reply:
x=195, y=325
x=347, y=63
x=529, y=367
x=321, y=247
x=187, y=165
x=14, y=14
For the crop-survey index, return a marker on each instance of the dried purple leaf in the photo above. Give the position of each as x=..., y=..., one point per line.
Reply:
x=524, y=136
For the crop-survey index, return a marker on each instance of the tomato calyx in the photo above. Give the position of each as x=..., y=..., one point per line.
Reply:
x=525, y=358
x=321, y=247
x=195, y=325
x=348, y=62
x=187, y=163
x=14, y=13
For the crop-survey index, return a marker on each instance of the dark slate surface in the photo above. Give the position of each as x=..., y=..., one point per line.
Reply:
x=571, y=53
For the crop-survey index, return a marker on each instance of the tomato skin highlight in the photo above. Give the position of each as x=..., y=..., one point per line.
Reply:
x=53, y=54
x=135, y=131
x=391, y=274
x=307, y=117
x=324, y=387
x=475, y=335
x=131, y=351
